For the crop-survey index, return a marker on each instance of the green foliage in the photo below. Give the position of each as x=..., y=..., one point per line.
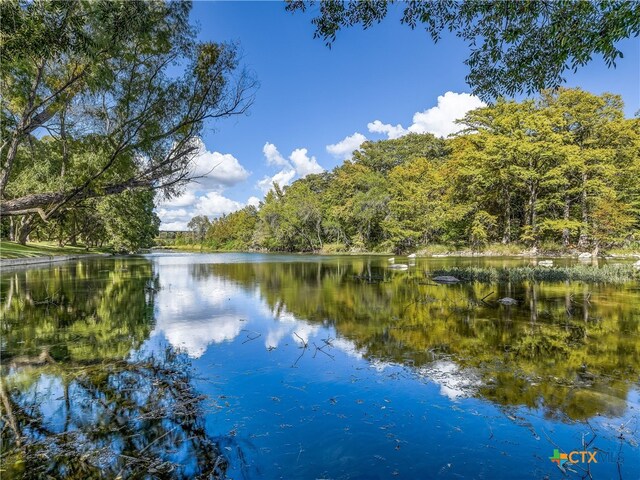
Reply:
x=583, y=273
x=100, y=79
x=550, y=171
x=234, y=231
x=514, y=46
x=129, y=220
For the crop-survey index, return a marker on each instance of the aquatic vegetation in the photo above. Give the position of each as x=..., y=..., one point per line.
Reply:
x=580, y=273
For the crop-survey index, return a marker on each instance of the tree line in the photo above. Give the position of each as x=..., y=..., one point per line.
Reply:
x=560, y=170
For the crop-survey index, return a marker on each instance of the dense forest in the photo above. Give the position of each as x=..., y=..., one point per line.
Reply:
x=559, y=171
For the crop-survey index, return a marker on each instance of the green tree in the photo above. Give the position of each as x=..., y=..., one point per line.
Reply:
x=96, y=76
x=199, y=226
x=129, y=220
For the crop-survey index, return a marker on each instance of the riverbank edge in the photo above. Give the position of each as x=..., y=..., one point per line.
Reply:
x=461, y=253
x=46, y=259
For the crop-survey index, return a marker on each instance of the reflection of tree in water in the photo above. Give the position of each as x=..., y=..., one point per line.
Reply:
x=570, y=347
x=82, y=311
x=139, y=419
x=73, y=403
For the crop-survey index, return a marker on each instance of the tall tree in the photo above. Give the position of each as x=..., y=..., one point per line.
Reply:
x=100, y=79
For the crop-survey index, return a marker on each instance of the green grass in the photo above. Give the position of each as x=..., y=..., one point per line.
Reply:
x=41, y=249
x=584, y=273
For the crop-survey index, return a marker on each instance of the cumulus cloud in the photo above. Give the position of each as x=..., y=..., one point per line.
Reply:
x=303, y=164
x=215, y=170
x=214, y=205
x=253, y=201
x=179, y=226
x=345, y=148
x=387, y=129
x=213, y=173
x=282, y=178
x=299, y=164
x=167, y=215
x=438, y=120
x=273, y=156
x=184, y=200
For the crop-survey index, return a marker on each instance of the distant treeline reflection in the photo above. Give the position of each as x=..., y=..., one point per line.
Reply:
x=570, y=347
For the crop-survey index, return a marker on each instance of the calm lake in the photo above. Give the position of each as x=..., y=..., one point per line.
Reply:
x=293, y=366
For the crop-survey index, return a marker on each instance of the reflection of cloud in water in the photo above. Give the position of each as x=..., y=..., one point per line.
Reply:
x=454, y=382
x=194, y=337
x=287, y=324
x=348, y=347
x=193, y=313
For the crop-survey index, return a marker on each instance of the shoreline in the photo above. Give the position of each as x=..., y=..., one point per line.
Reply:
x=460, y=253
x=46, y=259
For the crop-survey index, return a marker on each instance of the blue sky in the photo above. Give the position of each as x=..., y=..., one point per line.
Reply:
x=311, y=97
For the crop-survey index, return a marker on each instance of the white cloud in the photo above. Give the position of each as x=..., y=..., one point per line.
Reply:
x=387, y=129
x=345, y=148
x=175, y=226
x=273, y=155
x=282, y=178
x=184, y=200
x=253, y=201
x=299, y=164
x=438, y=120
x=195, y=312
x=214, y=205
x=303, y=164
x=215, y=170
x=167, y=215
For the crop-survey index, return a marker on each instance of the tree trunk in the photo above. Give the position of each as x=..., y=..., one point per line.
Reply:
x=565, y=231
x=25, y=230
x=533, y=199
x=584, y=237
x=12, y=230
x=8, y=163
x=73, y=241
x=506, y=236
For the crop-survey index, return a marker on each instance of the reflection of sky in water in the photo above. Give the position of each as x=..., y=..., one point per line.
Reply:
x=283, y=410
x=195, y=312
x=377, y=396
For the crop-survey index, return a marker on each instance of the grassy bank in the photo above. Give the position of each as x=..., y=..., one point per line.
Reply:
x=42, y=249
x=584, y=273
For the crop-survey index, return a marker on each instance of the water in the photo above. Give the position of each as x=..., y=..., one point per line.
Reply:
x=313, y=367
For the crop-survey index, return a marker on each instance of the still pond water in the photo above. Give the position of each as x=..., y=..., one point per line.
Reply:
x=287, y=366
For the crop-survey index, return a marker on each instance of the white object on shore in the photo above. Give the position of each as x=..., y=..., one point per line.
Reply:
x=392, y=259
x=585, y=255
x=413, y=255
x=637, y=264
